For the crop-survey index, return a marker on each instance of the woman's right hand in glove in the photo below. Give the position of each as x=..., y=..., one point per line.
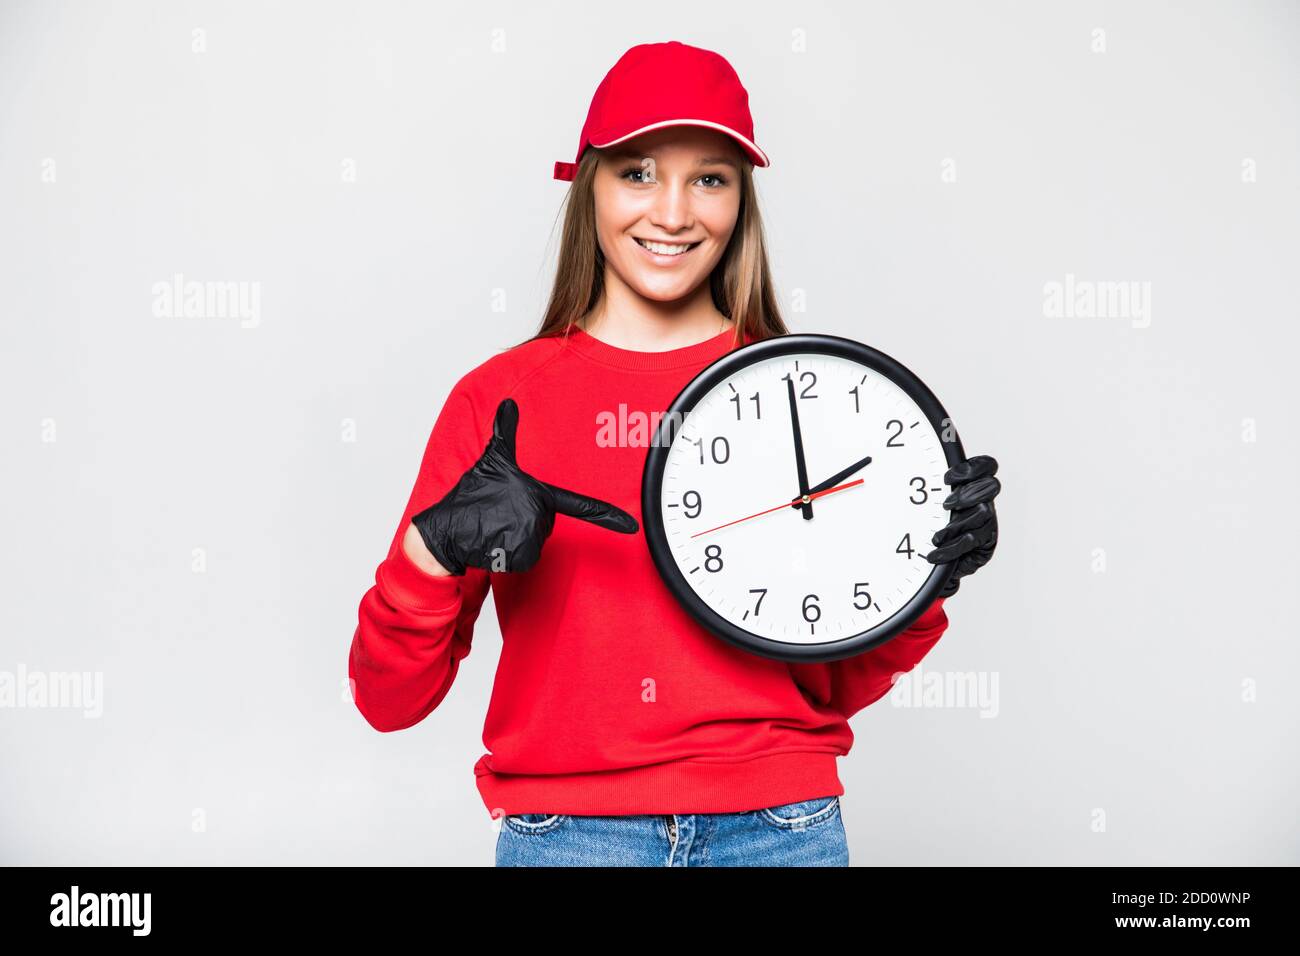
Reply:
x=497, y=516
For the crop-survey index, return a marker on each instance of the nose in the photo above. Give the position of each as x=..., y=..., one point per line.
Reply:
x=671, y=209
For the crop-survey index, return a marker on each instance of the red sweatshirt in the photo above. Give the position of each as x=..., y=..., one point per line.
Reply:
x=609, y=698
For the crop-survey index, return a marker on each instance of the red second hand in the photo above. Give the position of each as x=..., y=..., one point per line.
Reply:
x=793, y=501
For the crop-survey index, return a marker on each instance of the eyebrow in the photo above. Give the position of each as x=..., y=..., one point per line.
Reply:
x=624, y=153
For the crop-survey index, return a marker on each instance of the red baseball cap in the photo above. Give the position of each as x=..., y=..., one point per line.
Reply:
x=666, y=84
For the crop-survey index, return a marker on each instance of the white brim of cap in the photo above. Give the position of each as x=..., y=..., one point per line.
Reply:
x=691, y=122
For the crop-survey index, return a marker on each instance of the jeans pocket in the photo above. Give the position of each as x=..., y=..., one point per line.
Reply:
x=803, y=814
x=533, y=824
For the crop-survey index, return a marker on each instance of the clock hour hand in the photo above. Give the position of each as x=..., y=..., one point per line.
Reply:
x=800, y=464
x=840, y=476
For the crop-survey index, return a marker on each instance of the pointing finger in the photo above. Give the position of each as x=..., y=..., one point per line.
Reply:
x=592, y=509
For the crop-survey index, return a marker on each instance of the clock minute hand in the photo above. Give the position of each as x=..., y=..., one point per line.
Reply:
x=840, y=476
x=799, y=462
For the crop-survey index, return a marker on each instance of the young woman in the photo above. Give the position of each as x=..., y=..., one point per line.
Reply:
x=620, y=731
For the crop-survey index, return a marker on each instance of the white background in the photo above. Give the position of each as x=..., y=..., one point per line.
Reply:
x=224, y=693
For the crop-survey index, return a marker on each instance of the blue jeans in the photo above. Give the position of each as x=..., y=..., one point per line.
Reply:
x=807, y=833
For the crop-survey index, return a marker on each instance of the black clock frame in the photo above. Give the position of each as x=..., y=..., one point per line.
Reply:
x=652, y=490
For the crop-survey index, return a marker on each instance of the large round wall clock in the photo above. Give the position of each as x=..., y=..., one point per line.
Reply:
x=790, y=495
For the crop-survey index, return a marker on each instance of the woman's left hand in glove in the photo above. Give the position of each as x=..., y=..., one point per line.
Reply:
x=971, y=534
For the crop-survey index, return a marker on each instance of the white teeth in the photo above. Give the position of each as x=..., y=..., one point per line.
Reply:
x=666, y=250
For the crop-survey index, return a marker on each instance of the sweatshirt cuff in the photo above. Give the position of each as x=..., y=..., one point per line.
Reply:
x=410, y=586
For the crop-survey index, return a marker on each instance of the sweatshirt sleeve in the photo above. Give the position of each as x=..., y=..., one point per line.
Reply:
x=415, y=628
x=852, y=684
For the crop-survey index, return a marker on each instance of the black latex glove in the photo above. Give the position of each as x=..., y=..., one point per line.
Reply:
x=972, y=531
x=497, y=517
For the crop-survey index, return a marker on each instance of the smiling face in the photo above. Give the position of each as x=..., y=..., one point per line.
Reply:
x=666, y=205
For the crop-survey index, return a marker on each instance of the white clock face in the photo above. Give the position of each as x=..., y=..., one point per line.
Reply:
x=731, y=472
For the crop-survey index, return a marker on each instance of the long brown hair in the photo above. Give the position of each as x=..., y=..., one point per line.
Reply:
x=741, y=282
